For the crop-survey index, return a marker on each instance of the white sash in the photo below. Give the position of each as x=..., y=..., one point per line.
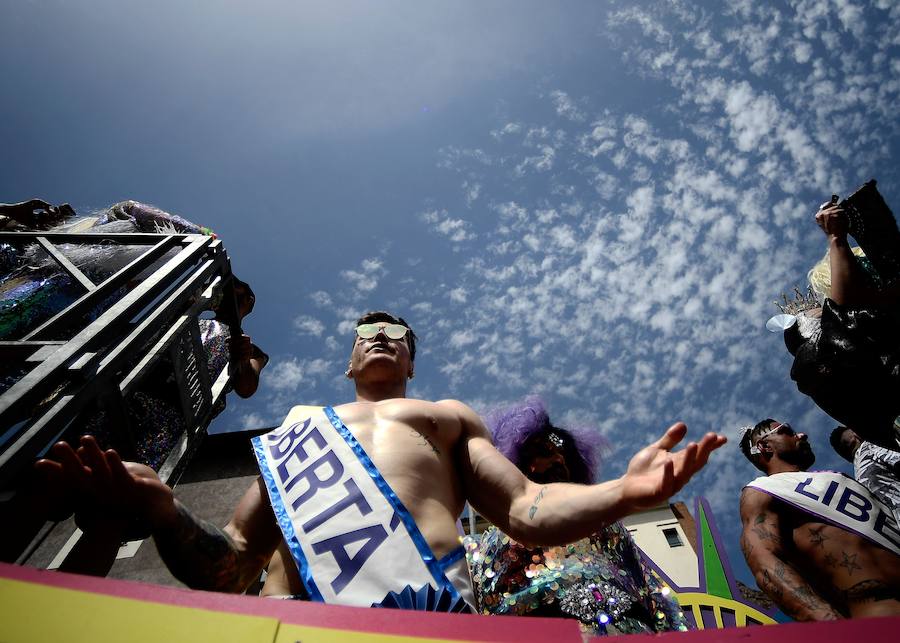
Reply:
x=351, y=537
x=838, y=499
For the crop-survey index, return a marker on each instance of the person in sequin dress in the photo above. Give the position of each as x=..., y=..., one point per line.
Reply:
x=599, y=580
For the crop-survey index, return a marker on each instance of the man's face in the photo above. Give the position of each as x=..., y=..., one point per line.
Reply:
x=381, y=356
x=789, y=446
x=546, y=460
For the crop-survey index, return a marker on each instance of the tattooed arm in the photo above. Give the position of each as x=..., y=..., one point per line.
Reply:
x=559, y=513
x=763, y=547
x=228, y=559
x=107, y=495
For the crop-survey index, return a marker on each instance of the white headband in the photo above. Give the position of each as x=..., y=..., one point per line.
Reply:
x=754, y=450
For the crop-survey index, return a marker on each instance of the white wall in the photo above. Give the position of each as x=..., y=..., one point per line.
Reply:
x=679, y=563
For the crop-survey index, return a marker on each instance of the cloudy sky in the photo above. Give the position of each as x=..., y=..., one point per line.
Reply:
x=598, y=203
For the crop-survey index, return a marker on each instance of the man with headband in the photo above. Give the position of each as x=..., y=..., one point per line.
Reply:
x=357, y=504
x=817, y=542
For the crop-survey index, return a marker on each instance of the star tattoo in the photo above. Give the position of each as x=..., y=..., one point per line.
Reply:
x=817, y=537
x=849, y=563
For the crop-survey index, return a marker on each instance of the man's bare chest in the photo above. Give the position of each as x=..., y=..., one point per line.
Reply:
x=404, y=428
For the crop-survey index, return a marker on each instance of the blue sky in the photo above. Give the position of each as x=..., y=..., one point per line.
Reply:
x=596, y=203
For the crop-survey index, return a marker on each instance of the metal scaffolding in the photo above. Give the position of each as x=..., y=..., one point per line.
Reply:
x=78, y=361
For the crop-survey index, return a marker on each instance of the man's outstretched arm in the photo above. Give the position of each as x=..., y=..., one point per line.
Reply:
x=103, y=489
x=554, y=514
x=763, y=549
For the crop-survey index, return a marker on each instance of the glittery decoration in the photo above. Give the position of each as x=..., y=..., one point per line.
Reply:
x=155, y=423
x=214, y=336
x=9, y=258
x=599, y=580
x=31, y=298
x=580, y=602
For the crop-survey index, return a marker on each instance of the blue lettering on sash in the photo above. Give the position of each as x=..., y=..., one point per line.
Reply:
x=350, y=566
x=845, y=501
x=885, y=527
x=800, y=489
x=829, y=493
x=354, y=497
x=326, y=470
x=299, y=452
x=314, y=481
x=290, y=436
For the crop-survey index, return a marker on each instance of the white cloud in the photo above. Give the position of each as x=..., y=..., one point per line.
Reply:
x=321, y=299
x=456, y=230
x=252, y=421
x=471, y=190
x=365, y=279
x=288, y=375
x=566, y=107
x=306, y=325
x=284, y=375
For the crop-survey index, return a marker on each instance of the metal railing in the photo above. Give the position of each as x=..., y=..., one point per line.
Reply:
x=78, y=361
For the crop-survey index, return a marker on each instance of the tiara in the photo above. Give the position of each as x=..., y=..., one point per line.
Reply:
x=556, y=440
x=801, y=302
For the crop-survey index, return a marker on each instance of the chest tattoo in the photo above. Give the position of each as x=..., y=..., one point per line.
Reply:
x=426, y=441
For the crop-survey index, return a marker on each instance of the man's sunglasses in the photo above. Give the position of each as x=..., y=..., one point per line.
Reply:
x=391, y=331
x=789, y=430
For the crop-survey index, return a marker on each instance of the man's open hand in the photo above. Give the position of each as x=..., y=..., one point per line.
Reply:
x=655, y=473
x=101, y=489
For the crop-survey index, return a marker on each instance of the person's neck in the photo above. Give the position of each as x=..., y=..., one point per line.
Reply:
x=782, y=467
x=378, y=391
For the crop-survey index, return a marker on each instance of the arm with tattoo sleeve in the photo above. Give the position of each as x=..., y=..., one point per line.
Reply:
x=107, y=495
x=761, y=542
x=203, y=556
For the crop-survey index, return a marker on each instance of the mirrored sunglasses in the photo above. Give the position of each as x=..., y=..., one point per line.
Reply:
x=391, y=331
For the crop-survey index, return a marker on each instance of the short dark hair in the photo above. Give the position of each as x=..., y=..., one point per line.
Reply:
x=837, y=445
x=382, y=316
x=747, y=441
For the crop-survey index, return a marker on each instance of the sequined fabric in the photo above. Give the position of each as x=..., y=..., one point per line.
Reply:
x=214, y=336
x=155, y=410
x=599, y=580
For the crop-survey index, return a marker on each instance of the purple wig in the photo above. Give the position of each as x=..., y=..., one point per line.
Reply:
x=512, y=426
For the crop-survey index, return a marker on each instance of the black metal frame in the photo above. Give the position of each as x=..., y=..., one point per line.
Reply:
x=157, y=316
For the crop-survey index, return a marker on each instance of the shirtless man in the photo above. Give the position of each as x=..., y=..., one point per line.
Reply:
x=812, y=568
x=434, y=455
